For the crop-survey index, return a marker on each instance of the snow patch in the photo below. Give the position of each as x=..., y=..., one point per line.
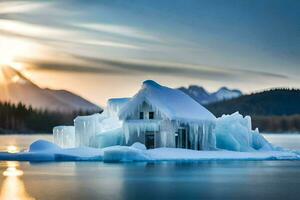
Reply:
x=41, y=151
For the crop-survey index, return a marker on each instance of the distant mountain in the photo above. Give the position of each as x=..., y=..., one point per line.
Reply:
x=15, y=88
x=203, y=97
x=275, y=102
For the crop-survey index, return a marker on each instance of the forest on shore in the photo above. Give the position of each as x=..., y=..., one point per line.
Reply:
x=275, y=110
x=18, y=118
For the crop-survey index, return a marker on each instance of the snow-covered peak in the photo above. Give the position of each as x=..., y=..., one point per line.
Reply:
x=225, y=93
x=15, y=88
x=199, y=94
x=12, y=76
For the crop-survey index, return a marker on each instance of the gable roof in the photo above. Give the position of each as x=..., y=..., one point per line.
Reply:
x=173, y=103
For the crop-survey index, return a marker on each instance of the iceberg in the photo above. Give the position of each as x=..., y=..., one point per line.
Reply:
x=234, y=132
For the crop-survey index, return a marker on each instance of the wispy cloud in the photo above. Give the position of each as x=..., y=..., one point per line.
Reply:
x=8, y=7
x=107, y=43
x=183, y=40
x=100, y=65
x=120, y=30
x=43, y=34
x=30, y=29
x=67, y=67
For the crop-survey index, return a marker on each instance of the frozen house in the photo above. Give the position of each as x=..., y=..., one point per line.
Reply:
x=159, y=116
x=156, y=116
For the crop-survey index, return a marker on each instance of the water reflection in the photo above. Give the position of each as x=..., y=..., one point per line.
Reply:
x=13, y=187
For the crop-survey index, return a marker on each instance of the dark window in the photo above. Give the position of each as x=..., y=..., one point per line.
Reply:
x=151, y=115
x=141, y=115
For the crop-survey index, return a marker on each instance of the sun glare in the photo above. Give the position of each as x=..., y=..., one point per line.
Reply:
x=12, y=149
x=12, y=49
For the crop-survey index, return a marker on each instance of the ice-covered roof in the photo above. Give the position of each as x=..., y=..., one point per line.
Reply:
x=117, y=101
x=173, y=103
x=87, y=117
x=114, y=106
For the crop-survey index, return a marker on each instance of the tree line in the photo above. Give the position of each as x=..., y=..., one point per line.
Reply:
x=277, y=123
x=274, y=102
x=19, y=118
x=275, y=110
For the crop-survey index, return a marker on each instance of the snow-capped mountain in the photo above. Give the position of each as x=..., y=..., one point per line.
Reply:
x=225, y=93
x=15, y=88
x=204, y=97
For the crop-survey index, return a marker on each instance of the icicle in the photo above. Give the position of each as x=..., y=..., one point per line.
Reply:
x=126, y=133
x=64, y=136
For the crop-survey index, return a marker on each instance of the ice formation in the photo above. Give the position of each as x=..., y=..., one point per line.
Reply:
x=169, y=118
x=100, y=130
x=234, y=132
x=43, y=145
x=115, y=105
x=108, y=138
x=86, y=128
x=64, y=136
x=42, y=150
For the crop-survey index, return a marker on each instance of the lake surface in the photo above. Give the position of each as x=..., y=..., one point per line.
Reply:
x=172, y=180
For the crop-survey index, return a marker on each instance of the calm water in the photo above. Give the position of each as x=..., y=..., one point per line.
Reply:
x=201, y=180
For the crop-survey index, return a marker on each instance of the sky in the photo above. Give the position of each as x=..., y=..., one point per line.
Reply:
x=106, y=48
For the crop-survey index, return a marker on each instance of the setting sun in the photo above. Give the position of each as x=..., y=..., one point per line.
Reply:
x=13, y=49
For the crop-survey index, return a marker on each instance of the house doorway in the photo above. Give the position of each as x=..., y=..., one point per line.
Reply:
x=150, y=139
x=181, y=138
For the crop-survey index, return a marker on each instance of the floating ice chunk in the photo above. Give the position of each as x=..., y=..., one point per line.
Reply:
x=124, y=154
x=138, y=145
x=234, y=132
x=64, y=136
x=43, y=145
x=46, y=151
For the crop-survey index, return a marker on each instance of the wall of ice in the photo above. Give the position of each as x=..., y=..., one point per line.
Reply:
x=64, y=136
x=234, y=132
x=97, y=130
x=111, y=137
x=86, y=127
